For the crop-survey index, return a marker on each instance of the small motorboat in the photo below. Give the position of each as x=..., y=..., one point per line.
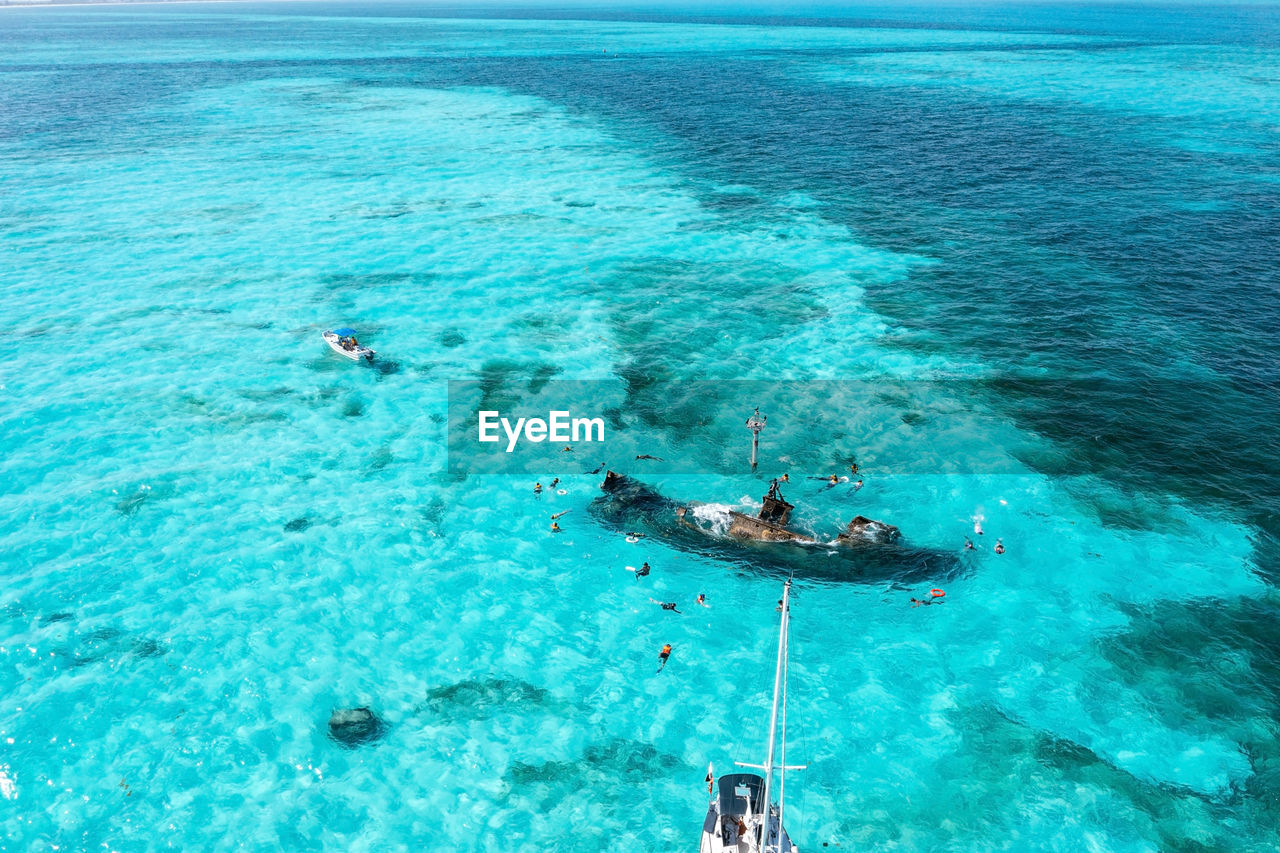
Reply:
x=343, y=342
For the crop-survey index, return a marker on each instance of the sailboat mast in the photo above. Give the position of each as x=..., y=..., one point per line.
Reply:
x=782, y=747
x=773, y=717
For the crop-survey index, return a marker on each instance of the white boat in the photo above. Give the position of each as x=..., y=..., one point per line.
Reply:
x=343, y=342
x=743, y=816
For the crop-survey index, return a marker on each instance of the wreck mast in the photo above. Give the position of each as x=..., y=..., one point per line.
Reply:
x=755, y=423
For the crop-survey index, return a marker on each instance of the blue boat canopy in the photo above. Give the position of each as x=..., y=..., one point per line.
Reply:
x=344, y=332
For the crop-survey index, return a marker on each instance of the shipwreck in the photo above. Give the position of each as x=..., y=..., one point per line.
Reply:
x=866, y=550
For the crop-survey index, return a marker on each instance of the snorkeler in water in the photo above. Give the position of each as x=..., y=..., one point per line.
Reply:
x=968, y=544
x=642, y=571
x=702, y=599
x=935, y=597
x=663, y=655
x=999, y=547
x=558, y=514
x=555, y=482
x=555, y=528
x=666, y=605
x=597, y=469
x=654, y=458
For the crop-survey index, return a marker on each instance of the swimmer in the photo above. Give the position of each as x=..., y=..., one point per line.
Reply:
x=654, y=458
x=968, y=544
x=857, y=485
x=566, y=449
x=642, y=571
x=636, y=535
x=853, y=469
x=537, y=488
x=666, y=605
x=779, y=605
x=663, y=655
x=786, y=478
x=555, y=482
x=833, y=479
x=702, y=599
x=555, y=528
x=977, y=527
x=597, y=469
x=558, y=514
x=999, y=547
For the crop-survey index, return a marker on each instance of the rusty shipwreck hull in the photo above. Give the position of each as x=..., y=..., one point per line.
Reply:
x=628, y=505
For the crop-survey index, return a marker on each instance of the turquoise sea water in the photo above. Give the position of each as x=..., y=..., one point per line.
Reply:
x=1040, y=237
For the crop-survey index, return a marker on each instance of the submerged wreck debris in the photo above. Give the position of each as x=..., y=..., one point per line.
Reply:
x=866, y=551
x=863, y=529
x=354, y=727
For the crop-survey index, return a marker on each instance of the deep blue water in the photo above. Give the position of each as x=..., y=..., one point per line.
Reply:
x=1040, y=235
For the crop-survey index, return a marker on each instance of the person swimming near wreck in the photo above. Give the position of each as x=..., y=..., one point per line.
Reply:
x=968, y=544
x=537, y=488
x=555, y=528
x=653, y=458
x=666, y=605
x=554, y=516
x=663, y=656
x=555, y=482
x=642, y=571
x=999, y=547
x=702, y=599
